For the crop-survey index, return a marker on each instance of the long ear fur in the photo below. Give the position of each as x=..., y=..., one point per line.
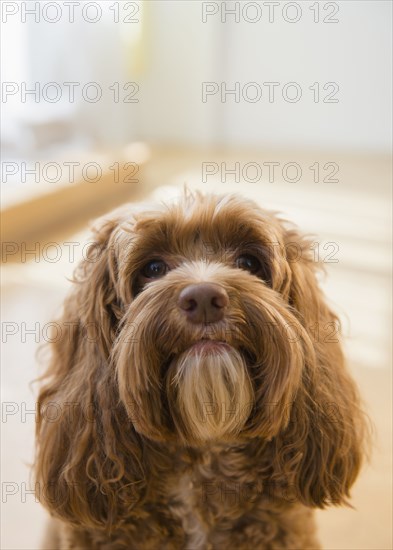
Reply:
x=321, y=451
x=88, y=464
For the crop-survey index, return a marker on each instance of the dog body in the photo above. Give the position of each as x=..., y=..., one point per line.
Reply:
x=199, y=502
x=210, y=403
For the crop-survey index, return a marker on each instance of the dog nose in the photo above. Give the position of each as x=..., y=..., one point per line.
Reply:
x=203, y=302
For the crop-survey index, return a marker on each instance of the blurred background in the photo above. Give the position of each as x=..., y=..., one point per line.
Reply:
x=288, y=103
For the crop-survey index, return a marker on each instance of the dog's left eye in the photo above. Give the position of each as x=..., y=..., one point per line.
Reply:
x=154, y=269
x=249, y=263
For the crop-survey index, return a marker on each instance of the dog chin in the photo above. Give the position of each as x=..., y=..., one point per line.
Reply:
x=210, y=393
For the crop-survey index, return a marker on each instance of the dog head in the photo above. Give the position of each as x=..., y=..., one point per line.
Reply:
x=211, y=337
x=192, y=323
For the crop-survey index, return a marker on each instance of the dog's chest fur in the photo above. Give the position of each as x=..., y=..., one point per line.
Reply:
x=225, y=492
x=185, y=508
x=213, y=491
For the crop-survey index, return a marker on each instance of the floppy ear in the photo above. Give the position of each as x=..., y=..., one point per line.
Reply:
x=89, y=456
x=321, y=451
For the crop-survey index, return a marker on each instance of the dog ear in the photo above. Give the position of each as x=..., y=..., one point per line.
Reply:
x=88, y=455
x=321, y=450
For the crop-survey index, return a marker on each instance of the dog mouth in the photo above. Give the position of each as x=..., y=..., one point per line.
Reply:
x=208, y=342
x=207, y=345
x=202, y=348
x=210, y=346
x=208, y=391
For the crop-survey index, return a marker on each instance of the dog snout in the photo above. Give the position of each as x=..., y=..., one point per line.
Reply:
x=203, y=302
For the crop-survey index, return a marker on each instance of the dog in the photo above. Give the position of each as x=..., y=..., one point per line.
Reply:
x=198, y=396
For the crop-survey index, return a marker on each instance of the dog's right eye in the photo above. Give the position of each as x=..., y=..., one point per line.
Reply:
x=253, y=265
x=154, y=269
x=249, y=263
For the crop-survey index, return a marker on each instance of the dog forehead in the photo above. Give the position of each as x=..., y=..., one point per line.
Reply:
x=198, y=227
x=206, y=215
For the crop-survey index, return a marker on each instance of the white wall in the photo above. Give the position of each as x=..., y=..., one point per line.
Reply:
x=355, y=53
x=180, y=51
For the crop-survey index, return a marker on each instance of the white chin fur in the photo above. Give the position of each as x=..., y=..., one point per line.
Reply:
x=210, y=393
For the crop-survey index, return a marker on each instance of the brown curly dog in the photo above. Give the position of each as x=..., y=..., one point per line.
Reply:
x=198, y=396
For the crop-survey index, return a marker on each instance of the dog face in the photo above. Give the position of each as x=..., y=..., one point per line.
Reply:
x=216, y=342
x=208, y=326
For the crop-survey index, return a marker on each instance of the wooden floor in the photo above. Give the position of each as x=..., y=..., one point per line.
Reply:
x=353, y=213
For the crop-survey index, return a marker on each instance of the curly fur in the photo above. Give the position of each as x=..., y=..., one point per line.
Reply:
x=161, y=443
